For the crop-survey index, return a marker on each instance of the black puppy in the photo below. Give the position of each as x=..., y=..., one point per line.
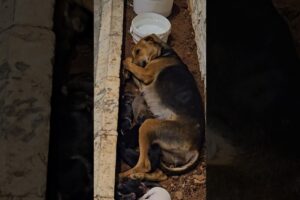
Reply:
x=131, y=156
x=126, y=113
x=133, y=189
x=128, y=136
x=70, y=174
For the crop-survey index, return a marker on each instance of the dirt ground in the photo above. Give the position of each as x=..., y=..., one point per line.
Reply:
x=190, y=185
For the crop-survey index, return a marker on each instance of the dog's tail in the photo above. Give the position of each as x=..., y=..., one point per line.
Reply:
x=181, y=169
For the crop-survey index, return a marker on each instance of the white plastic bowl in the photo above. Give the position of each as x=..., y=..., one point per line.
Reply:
x=163, y=7
x=147, y=23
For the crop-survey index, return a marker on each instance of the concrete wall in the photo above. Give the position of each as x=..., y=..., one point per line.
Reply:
x=290, y=10
x=198, y=13
x=106, y=91
x=26, y=53
x=97, y=26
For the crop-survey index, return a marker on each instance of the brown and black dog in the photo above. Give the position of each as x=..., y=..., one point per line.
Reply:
x=171, y=94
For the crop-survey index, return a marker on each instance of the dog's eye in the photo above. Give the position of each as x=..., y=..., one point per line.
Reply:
x=137, y=51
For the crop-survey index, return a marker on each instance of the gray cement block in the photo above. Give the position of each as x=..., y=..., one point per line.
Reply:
x=26, y=55
x=106, y=104
x=26, y=12
x=105, y=166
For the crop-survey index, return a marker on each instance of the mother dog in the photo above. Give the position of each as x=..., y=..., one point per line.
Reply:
x=171, y=94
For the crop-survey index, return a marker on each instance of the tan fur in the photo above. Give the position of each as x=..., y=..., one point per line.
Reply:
x=157, y=175
x=148, y=74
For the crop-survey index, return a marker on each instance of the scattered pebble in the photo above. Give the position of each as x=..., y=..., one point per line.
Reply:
x=178, y=195
x=199, y=177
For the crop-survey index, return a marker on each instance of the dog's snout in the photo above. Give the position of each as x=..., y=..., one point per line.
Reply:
x=143, y=63
x=140, y=62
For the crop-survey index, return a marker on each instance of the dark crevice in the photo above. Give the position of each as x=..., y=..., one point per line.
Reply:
x=70, y=161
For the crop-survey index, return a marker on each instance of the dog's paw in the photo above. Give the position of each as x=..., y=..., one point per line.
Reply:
x=127, y=62
x=126, y=74
x=137, y=176
x=123, y=175
x=162, y=177
x=126, y=174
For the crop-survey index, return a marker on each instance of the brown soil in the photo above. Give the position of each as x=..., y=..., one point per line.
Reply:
x=191, y=185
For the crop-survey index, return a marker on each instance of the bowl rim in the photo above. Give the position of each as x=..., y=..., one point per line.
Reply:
x=134, y=29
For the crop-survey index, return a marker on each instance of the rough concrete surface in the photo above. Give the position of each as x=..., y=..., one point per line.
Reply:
x=25, y=92
x=107, y=105
x=35, y=13
x=105, y=150
x=198, y=13
x=106, y=100
x=97, y=26
x=26, y=53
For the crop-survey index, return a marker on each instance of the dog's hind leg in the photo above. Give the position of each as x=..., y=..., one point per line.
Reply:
x=167, y=134
x=131, y=156
x=146, y=136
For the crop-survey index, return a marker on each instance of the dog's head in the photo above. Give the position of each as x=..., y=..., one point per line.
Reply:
x=130, y=189
x=147, y=49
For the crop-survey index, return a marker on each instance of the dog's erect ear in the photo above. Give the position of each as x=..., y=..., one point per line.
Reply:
x=153, y=38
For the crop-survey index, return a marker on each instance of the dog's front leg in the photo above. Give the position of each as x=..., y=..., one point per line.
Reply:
x=157, y=175
x=143, y=74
